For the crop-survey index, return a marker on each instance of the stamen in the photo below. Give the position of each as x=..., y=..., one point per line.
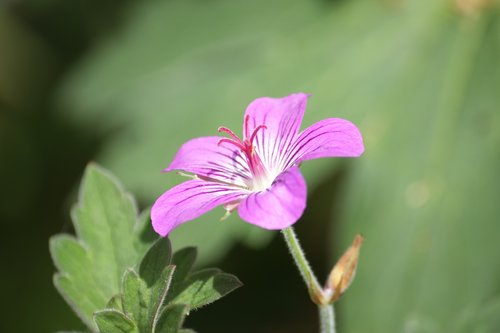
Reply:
x=184, y=174
x=229, y=207
x=236, y=143
x=247, y=119
x=228, y=131
x=254, y=134
x=226, y=215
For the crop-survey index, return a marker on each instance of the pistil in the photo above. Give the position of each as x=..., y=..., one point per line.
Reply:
x=260, y=177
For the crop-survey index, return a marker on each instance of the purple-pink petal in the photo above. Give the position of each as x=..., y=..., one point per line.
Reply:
x=331, y=137
x=188, y=201
x=205, y=157
x=278, y=207
x=282, y=118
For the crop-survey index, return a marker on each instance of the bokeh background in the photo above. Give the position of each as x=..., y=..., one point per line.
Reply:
x=124, y=83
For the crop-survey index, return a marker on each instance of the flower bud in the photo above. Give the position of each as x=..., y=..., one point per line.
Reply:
x=344, y=270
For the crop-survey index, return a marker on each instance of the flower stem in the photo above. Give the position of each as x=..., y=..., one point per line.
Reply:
x=300, y=259
x=326, y=318
x=326, y=312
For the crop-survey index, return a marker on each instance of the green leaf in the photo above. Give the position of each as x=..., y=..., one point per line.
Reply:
x=184, y=260
x=136, y=299
x=76, y=282
x=113, y=321
x=116, y=303
x=186, y=330
x=155, y=260
x=144, y=231
x=204, y=287
x=172, y=288
x=141, y=302
x=110, y=239
x=144, y=302
x=159, y=291
x=171, y=318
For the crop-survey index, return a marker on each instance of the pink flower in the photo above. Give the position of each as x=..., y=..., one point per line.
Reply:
x=258, y=174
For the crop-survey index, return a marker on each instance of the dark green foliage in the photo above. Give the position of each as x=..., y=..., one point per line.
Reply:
x=161, y=304
x=110, y=243
x=171, y=318
x=113, y=321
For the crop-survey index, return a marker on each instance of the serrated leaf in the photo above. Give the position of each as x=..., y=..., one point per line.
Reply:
x=75, y=282
x=104, y=220
x=155, y=260
x=108, y=230
x=113, y=321
x=204, y=287
x=142, y=295
x=136, y=299
x=171, y=318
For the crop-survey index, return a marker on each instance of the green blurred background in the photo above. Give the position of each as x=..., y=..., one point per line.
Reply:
x=124, y=83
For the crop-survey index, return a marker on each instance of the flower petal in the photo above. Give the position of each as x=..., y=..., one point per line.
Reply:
x=189, y=200
x=278, y=207
x=282, y=118
x=331, y=137
x=205, y=157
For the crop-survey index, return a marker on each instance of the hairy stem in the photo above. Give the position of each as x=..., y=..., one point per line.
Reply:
x=326, y=313
x=326, y=318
